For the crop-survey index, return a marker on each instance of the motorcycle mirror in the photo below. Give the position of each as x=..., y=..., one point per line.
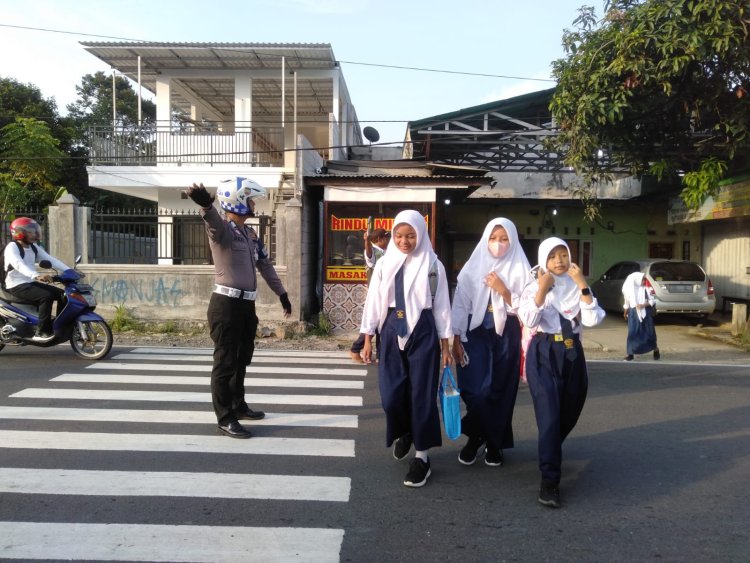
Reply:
x=78, y=259
x=46, y=264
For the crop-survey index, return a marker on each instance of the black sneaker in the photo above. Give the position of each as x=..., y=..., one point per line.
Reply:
x=402, y=446
x=657, y=354
x=629, y=358
x=418, y=472
x=493, y=457
x=468, y=454
x=549, y=494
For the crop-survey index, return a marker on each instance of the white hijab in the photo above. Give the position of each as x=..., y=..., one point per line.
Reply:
x=565, y=295
x=512, y=267
x=416, y=272
x=634, y=294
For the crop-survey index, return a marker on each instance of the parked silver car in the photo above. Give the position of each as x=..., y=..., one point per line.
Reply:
x=678, y=286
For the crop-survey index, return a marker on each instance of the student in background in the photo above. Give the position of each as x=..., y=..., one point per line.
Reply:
x=488, y=333
x=414, y=331
x=558, y=303
x=639, y=312
x=375, y=245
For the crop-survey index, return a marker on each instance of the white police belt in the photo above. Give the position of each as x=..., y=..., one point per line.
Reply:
x=237, y=293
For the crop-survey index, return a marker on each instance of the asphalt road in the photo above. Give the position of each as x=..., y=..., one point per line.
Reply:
x=656, y=469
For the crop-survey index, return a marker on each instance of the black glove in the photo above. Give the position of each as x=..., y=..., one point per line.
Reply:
x=285, y=303
x=200, y=195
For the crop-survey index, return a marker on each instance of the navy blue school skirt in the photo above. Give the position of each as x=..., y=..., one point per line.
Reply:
x=408, y=381
x=641, y=334
x=489, y=384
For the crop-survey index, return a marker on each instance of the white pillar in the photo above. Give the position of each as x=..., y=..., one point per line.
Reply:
x=163, y=100
x=243, y=114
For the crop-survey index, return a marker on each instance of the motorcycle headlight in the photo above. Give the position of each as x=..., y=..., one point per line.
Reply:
x=87, y=298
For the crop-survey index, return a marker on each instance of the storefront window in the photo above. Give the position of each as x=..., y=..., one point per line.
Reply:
x=345, y=225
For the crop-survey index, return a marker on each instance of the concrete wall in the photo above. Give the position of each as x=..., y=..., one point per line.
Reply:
x=167, y=293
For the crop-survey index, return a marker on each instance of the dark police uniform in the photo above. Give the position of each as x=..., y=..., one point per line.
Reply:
x=237, y=252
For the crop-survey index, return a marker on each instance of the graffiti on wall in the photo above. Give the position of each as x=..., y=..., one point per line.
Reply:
x=152, y=291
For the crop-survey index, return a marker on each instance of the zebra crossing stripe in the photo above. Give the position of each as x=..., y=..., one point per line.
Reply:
x=184, y=397
x=207, y=369
x=320, y=360
x=273, y=353
x=26, y=439
x=28, y=480
x=147, y=542
x=204, y=380
x=172, y=417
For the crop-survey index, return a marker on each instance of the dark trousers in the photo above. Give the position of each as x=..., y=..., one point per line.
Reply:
x=42, y=295
x=489, y=384
x=558, y=389
x=233, y=324
x=408, y=381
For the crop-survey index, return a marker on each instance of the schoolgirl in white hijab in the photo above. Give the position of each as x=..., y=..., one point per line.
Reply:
x=637, y=301
x=634, y=295
x=382, y=293
x=555, y=362
x=496, y=273
x=506, y=261
x=564, y=291
x=408, y=368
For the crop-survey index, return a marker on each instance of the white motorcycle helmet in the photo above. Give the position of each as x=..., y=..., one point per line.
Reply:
x=234, y=194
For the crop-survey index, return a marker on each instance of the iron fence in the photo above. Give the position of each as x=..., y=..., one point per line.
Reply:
x=7, y=217
x=152, y=237
x=205, y=143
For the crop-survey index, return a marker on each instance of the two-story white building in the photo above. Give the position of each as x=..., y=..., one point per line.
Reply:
x=265, y=111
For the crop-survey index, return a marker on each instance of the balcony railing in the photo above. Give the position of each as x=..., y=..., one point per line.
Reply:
x=177, y=144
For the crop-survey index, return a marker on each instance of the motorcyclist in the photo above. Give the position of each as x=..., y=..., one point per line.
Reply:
x=22, y=279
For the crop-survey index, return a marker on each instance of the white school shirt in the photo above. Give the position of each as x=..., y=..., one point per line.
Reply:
x=441, y=306
x=547, y=319
x=24, y=269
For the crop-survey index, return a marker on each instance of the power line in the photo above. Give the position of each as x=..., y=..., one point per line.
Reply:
x=271, y=55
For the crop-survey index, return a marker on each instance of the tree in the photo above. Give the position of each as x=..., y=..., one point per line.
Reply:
x=94, y=103
x=30, y=164
x=93, y=108
x=19, y=100
x=657, y=87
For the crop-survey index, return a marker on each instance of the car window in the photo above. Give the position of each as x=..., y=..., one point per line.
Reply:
x=676, y=271
x=629, y=268
x=611, y=274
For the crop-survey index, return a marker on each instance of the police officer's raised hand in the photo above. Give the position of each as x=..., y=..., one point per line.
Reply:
x=199, y=194
x=286, y=304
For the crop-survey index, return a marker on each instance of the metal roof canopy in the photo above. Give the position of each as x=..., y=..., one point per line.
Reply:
x=314, y=96
x=506, y=135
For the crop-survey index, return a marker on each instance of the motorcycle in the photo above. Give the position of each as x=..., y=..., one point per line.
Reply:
x=88, y=333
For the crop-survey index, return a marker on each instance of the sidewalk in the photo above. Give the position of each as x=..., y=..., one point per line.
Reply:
x=678, y=336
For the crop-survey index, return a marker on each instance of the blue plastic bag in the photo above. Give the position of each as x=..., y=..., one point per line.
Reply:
x=450, y=401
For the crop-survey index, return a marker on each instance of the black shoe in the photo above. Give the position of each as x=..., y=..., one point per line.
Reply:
x=234, y=430
x=419, y=471
x=549, y=494
x=249, y=414
x=657, y=355
x=468, y=454
x=629, y=358
x=402, y=446
x=493, y=457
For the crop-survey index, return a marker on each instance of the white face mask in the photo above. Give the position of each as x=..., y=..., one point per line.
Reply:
x=497, y=248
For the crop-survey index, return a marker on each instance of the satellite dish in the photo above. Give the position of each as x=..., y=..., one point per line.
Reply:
x=371, y=134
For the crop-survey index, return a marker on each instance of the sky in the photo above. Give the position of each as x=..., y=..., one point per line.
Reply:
x=507, y=38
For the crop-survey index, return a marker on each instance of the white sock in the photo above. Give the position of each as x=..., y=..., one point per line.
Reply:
x=422, y=454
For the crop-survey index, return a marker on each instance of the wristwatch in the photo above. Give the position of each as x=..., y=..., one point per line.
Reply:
x=586, y=291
